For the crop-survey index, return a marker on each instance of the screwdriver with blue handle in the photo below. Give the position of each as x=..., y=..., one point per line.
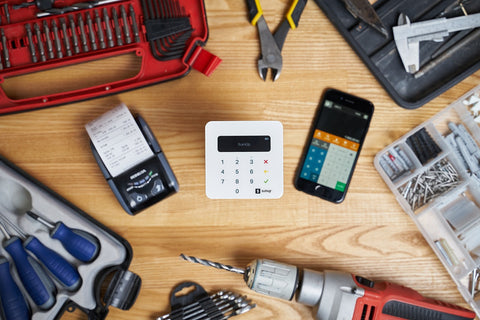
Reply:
x=80, y=244
x=12, y=300
x=35, y=280
x=59, y=267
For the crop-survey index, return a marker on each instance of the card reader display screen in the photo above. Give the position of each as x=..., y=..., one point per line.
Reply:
x=244, y=143
x=335, y=143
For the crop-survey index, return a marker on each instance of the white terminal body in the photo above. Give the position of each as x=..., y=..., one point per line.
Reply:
x=244, y=159
x=332, y=294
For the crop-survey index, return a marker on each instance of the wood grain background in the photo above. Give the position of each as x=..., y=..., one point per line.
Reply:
x=368, y=234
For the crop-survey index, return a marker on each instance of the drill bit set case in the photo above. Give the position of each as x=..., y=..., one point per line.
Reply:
x=434, y=173
x=55, y=259
x=441, y=64
x=154, y=40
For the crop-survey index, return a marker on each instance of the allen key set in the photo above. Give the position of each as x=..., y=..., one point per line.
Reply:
x=433, y=171
x=167, y=35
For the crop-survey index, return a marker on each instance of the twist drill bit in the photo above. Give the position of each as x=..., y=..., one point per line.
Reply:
x=209, y=263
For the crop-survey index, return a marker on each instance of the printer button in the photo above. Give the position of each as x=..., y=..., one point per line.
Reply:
x=157, y=187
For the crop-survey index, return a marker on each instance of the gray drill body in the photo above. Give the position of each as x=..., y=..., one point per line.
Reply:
x=332, y=294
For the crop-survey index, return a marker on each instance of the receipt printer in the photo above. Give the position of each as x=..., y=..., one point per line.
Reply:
x=131, y=160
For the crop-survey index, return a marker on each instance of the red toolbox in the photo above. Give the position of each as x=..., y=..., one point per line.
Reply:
x=39, y=35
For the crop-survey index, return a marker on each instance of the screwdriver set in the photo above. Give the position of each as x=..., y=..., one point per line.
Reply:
x=40, y=35
x=54, y=257
x=434, y=172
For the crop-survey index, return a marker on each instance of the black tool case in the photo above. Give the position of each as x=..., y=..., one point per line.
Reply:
x=105, y=281
x=381, y=56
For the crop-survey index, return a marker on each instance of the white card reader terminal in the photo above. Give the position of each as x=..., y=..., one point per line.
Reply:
x=131, y=159
x=244, y=159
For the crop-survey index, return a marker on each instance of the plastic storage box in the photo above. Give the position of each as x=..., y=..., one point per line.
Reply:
x=434, y=173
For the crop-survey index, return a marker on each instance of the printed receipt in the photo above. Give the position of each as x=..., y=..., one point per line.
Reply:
x=118, y=140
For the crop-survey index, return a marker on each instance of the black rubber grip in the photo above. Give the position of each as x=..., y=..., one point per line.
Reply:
x=409, y=311
x=294, y=15
x=254, y=11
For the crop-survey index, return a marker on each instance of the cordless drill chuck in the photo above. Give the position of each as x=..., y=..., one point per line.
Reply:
x=340, y=296
x=332, y=294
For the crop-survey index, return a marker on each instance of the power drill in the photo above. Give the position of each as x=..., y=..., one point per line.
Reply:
x=341, y=296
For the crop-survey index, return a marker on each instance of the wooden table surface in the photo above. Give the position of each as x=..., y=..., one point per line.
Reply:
x=368, y=234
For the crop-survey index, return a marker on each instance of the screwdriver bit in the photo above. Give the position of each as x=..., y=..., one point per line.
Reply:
x=6, y=55
x=209, y=263
x=136, y=34
x=33, y=53
x=126, y=29
x=41, y=50
x=56, y=38
x=63, y=24
x=46, y=31
x=118, y=31
x=91, y=32
x=83, y=35
x=73, y=28
x=101, y=37
x=108, y=30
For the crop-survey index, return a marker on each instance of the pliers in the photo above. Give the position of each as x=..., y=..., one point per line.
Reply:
x=272, y=44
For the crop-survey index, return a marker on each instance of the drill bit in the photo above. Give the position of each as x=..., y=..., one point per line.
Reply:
x=209, y=263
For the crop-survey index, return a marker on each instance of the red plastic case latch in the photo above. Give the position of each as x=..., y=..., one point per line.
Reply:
x=204, y=61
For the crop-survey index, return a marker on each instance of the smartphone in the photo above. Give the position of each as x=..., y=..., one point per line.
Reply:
x=334, y=145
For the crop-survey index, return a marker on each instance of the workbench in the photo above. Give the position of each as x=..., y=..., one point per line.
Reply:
x=368, y=234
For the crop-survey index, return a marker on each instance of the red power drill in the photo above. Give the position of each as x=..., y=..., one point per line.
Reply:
x=341, y=296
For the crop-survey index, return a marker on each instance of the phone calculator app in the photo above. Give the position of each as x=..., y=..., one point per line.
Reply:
x=334, y=147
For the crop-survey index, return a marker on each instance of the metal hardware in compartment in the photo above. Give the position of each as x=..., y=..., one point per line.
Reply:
x=447, y=188
x=434, y=182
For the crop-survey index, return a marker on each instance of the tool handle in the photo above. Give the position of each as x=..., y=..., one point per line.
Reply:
x=80, y=244
x=295, y=12
x=12, y=301
x=254, y=11
x=60, y=268
x=38, y=285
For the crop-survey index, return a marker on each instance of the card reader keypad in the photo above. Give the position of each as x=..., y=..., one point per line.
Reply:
x=245, y=174
x=244, y=159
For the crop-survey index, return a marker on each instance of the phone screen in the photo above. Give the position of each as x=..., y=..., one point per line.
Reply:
x=334, y=147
